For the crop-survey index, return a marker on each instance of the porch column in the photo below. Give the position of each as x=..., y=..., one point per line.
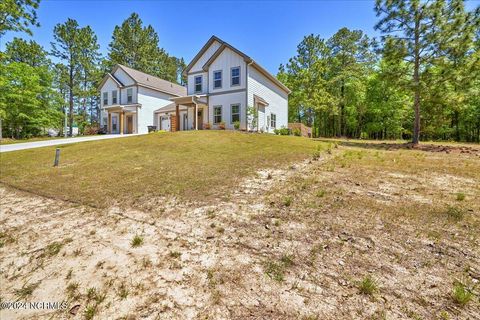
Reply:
x=195, y=117
x=122, y=115
x=109, y=123
x=177, y=116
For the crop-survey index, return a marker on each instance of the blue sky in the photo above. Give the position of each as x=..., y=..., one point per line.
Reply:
x=268, y=31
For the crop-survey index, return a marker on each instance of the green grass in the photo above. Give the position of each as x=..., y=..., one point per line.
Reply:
x=130, y=171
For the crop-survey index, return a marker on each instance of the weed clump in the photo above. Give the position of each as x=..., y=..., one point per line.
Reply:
x=137, y=241
x=455, y=213
x=367, y=285
x=460, y=196
x=461, y=294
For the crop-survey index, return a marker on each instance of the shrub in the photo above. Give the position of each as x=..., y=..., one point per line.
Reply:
x=282, y=131
x=91, y=130
x=221, y=125
x=236, y=125
x=297, y=132
x=207, y=126
x=460, y=196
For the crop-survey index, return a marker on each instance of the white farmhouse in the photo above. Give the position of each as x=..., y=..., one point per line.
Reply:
x=129, y=99
x=223, y=83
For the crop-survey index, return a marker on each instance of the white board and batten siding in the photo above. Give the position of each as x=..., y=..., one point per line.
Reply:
x=150, y=100
x=226, y=100
x=275, y=96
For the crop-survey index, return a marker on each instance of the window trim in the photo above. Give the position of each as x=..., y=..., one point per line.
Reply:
x=195, y=83
x=130, y=96
x=105, y=94
x=114, y=96
x=231, y=112
x=231, y=76
x=221, y=114
x=273, y=115
x=221, y=79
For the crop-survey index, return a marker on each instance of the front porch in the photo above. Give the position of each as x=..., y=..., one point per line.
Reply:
x=196, y=113
x=122, y=119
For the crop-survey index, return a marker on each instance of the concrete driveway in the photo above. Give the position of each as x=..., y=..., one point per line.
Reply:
x=55, y=142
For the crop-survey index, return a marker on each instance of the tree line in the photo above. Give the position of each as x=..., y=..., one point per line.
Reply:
x=419, y=80
x=36, y=93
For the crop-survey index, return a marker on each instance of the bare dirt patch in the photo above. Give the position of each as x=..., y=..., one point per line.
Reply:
x=295, y=242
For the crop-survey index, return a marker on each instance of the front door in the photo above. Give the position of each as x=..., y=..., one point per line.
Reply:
x=200, y=119
x=129, y=124
x=114, y=123
x=185, y=122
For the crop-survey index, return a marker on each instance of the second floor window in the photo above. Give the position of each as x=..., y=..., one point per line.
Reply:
x=236, y=76
x=105, y=98
x=198, y=84
x=273, y=120
x=217, y=79
x=129, y=95
x=217, y=114
x=114, y=97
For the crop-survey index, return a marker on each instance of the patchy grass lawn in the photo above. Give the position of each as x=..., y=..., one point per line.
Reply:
x=140, y=170
x=365, y=231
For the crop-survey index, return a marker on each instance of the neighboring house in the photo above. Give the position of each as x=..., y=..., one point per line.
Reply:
x=129, y=99
x=222, y=83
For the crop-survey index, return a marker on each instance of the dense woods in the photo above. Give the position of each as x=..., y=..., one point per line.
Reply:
x=420, y=80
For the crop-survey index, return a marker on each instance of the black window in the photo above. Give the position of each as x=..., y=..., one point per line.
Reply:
x=105, y=98
x=273, y=120
x=129, y=95
x=236, y=76
x=235, y=112
x=114, y=97
x=217, y=79
x=198, y=84
x=217, y=114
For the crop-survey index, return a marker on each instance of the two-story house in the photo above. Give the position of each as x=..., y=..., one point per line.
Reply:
x=222, y=83
x=129, y=99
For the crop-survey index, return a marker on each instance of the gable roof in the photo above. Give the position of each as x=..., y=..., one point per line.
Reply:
x=201, y=52
x=155, y=83
x=245, y=57
x=106, y=77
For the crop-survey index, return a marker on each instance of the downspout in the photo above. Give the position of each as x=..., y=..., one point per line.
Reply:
x=246, y=94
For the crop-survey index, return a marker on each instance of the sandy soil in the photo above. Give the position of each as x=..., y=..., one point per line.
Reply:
x=290, y=243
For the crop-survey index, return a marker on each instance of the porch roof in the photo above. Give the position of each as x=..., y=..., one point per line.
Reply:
x=122, y=107
x=190, y=100
x=169, y=108
x=260, y=100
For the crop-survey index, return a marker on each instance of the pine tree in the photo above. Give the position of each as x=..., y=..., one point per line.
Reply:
x=18, y=15
x=136, y=46
x=418, y=32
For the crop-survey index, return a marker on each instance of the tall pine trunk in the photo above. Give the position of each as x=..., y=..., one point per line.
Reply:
x=70, y=116
x=416, y=80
